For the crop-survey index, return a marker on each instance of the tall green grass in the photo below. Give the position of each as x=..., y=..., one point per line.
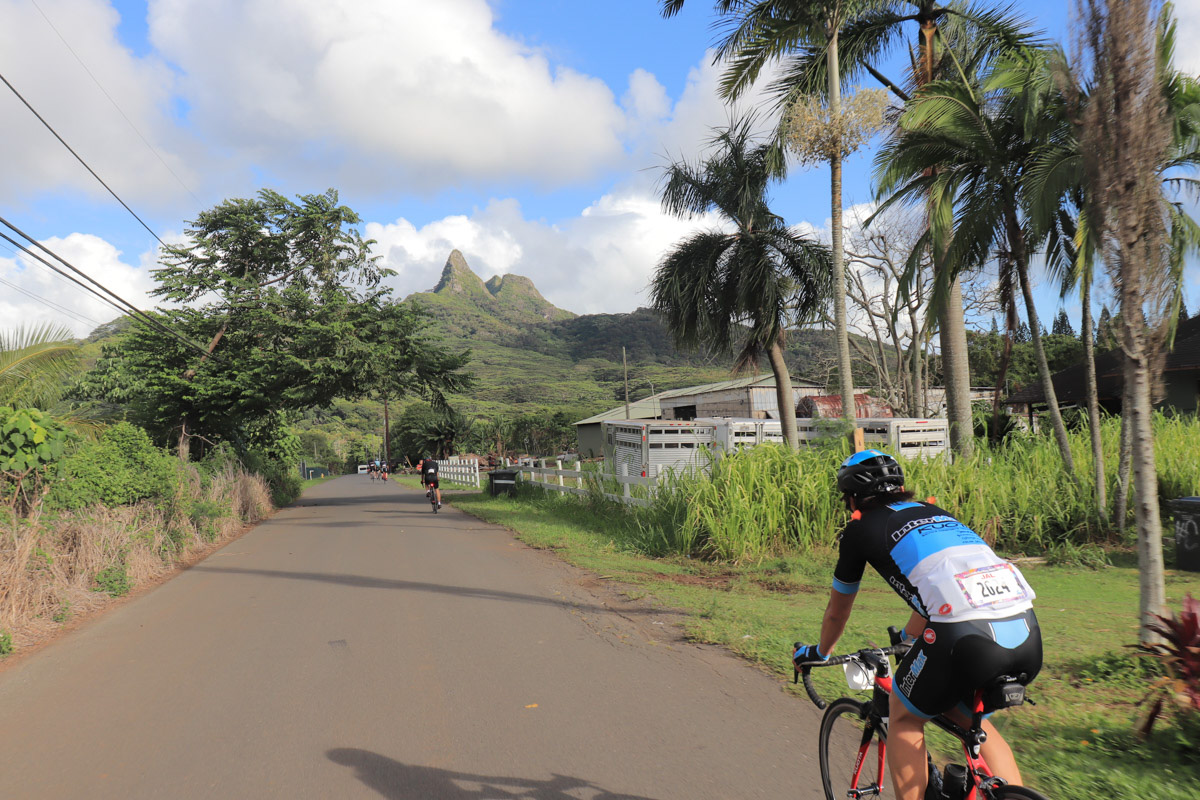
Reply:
x=769, y=501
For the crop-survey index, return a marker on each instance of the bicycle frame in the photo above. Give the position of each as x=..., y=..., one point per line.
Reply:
x=979, y=773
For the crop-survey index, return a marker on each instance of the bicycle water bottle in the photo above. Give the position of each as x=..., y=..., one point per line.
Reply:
x=954, y=782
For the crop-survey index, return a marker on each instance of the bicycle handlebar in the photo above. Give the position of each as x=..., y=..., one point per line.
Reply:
x=871, y=655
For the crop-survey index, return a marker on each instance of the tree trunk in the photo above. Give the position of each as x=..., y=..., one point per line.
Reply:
x=1146, y=510
x=1124, y=460
x=956, y=372
x=1035, y=329
x=185, y=441
x=1010, y=324
x=1139, y=380
x=1093, y=399
x=785, y=396
x=845, y=376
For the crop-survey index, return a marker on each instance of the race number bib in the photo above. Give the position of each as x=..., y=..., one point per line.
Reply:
x=987, y=587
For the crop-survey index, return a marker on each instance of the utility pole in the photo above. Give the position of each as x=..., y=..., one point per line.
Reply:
x=625, y=364
x=387, y=450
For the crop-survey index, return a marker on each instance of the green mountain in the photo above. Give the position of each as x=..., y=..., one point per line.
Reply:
x=529, y=354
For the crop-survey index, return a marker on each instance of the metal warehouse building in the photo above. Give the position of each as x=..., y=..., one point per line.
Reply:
x=747, y=398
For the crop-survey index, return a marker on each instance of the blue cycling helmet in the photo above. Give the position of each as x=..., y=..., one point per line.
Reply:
x=868, y=473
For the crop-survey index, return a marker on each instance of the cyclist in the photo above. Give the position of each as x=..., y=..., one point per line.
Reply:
x=429, y=478
x=972, y=612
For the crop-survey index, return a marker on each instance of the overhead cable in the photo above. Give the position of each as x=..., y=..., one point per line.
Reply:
x=80, y=159
x=53, y=306
x=124, y=306
x=120, y=110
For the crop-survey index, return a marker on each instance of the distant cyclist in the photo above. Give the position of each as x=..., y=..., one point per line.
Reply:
x=972, y=617
x=429, y=478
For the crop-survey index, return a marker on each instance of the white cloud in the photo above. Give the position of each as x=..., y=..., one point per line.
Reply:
x=44, y=71
x=599, y=261
x=1187, y=56
x=51, y=293
x=424, y=92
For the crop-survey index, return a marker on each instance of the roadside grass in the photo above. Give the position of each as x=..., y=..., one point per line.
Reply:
x=1078, y=742
x=308, y=484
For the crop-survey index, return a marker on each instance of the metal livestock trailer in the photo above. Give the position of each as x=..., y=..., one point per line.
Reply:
x=647, y=448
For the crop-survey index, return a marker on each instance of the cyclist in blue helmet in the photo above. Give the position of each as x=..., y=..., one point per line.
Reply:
x=972, y=612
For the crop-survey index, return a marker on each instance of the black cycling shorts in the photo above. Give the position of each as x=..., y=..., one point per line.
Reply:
x=950, y=661
x=431, y=481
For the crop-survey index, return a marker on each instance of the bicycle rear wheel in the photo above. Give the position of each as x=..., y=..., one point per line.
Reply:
x=848, y=737
x=1015, y=793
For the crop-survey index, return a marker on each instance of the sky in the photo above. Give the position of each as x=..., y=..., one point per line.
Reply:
x=529, y=134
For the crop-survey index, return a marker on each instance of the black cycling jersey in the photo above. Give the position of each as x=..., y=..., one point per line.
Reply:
x=942, y=568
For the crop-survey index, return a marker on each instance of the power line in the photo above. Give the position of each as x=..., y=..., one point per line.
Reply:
x=76, y=315
x=122, y=305
x=50, y=303
x=80, y=159
x=80, y=291
x=120, y=110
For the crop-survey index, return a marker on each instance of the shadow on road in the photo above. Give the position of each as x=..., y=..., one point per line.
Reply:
x=398, y=781
x=365, y=582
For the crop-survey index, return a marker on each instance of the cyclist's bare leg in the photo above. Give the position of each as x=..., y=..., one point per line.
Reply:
x=995, y=750
x=906, y=752
x=439, y=495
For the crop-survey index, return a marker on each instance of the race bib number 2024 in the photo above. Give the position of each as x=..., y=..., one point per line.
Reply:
x=985, y=587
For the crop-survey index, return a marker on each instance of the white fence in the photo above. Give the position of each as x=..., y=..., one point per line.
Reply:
x=577, y=481
x=464, y=471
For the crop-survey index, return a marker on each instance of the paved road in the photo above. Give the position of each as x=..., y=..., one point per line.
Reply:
x=356, y=645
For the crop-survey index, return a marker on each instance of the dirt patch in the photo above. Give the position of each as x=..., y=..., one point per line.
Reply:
x=720, y=580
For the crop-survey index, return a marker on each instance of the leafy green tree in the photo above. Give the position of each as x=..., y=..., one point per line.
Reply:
x=287, y=296
x=425, y=430
x=1062, y=324
x=735, y=287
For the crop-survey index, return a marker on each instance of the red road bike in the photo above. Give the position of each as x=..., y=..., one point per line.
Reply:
x=853, y=740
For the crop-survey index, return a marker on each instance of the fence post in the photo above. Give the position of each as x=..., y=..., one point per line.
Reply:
x=558, y=466
x=625, y=486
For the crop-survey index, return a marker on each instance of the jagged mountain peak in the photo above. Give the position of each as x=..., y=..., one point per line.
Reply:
x=512, y=298
x=457, y=276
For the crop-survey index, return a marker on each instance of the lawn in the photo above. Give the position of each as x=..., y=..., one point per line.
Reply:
x=1078, y=742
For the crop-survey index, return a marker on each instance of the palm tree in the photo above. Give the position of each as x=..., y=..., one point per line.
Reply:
x=965, y=150
x=822, y=43
x=36, y=364
x=1056, y=200
x=737, y=287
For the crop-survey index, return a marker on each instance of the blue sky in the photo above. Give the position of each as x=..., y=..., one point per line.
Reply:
x=527, y=133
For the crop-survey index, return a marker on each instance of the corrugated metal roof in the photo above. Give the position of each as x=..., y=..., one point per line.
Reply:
x=650, y=408
x=646, y=408
x=765, y=380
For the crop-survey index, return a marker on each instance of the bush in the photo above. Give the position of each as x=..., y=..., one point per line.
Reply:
x=31, y=442
x=113, y=579
x=283, y=479
x=122, y=467
x=204, y=515
x=6, y=645
x=1179, y=652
